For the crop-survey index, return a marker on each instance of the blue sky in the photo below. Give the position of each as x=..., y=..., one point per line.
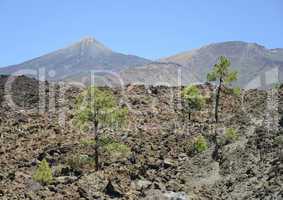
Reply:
x=148, y=28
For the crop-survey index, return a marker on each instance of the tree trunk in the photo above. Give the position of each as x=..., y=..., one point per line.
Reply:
x=96, y=146
x=215, y=153
x=217, y=100
x=190, y=115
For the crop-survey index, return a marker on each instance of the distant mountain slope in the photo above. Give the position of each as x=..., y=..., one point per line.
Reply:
x=257, y=65
x=81, y=57
x=159, y=73
x=254, y=62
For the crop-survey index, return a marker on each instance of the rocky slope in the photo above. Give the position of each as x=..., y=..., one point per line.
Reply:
x=76, y=61
x=159, y=73
x=162, y=163
x=257, y=65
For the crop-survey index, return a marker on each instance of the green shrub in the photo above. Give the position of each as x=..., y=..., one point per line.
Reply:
x=80, y=161
x=237, y=91
x=193, y=99
x=200, y=144
x=231, y=135
x=86, y=143
x=91, y=142
x=279, y=140
x=108, y=146
x=43, y=173
x=106, y=140
x=276, y=86
x=117, y=148
x=74, y=162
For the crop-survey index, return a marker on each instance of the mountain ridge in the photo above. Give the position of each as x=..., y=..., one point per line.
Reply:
x=250, y=59
x=74, y=63
x=86, y=55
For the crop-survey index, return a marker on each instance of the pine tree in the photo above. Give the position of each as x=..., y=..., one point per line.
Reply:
x=43, y=173
x=193, y=99
x=222, y=73
x=96, y=109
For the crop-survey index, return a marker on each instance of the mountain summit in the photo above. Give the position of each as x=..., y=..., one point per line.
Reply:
x=76, y=61
x=91, y=46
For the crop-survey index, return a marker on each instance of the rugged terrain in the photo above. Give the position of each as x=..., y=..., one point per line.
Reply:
x=161, y=163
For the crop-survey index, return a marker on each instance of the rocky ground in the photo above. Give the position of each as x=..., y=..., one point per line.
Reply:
x=161, y=163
